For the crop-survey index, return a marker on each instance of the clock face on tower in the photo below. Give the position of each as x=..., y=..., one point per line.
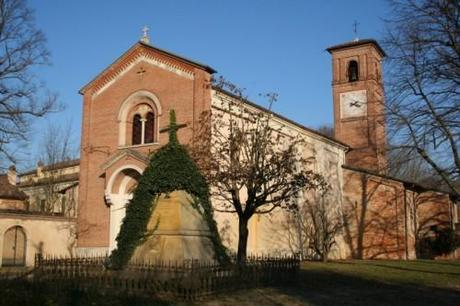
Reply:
x=353, y=104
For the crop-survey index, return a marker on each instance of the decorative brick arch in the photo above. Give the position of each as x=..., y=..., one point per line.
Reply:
x=117, y=196
x=110, y=183
x=138, y=97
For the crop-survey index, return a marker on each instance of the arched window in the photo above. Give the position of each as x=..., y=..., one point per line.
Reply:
x=149, y=128
x=137, y=130
x=353, y=72
x=143, y=131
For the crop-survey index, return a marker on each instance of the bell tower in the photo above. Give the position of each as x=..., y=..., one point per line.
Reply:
x=357, y=89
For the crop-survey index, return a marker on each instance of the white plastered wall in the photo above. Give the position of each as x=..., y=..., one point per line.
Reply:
x=266, y=234
x=49, y=235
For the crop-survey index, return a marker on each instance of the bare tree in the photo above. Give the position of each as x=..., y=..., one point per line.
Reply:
x=413, y=168
x=423, y=89
x=313, y=225
x=254, y=166
x=22, y=96
x=294, y=231
x=57, y=144
x=325, y=224
x=58, y=147
x=326, y=130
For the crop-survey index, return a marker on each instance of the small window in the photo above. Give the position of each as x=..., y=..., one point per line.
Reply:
x=353, y=72
x=63, y=203
x=42, y=205
x=137, y=130
x=149, y=128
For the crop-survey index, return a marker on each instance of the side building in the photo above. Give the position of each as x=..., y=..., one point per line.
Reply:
x=38, y=212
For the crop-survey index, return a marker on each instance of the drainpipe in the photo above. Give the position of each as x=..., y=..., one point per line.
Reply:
x=405, y=224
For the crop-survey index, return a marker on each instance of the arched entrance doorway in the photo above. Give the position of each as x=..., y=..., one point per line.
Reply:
x=119, y=191
x=14, y=247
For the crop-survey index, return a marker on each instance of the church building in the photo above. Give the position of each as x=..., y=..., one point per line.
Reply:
x=127, y=104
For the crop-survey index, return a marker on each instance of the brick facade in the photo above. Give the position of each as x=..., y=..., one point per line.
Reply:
x=387, y=218
x=384, y=217
x=177, y=84
x=365, y=133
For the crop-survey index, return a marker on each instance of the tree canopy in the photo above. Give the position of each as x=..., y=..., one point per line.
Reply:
x=423, y=84
x=252, y=165
x=22, y=95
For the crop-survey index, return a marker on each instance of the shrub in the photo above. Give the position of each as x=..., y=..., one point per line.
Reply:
x=444, y=241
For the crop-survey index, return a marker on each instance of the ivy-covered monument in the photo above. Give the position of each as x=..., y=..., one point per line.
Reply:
x=170, y=216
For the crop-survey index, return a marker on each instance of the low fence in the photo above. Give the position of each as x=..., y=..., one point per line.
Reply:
x=11, y=273
x=187, y=280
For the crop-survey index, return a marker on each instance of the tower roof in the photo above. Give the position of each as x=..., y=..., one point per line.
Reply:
x=357, y=43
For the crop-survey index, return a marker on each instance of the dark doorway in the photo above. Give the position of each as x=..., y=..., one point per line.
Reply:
x=14, y=247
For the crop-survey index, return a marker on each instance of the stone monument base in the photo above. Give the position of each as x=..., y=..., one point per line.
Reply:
x=179, y=232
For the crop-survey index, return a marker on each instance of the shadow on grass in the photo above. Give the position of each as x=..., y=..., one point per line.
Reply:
x=330, y=288
x=382, y=264
x=25, y=293
x=441, y=263
x=415, y=270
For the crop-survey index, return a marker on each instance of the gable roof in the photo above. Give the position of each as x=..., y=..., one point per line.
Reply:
x=139, y=45
x=264, y=109
x=8, y=191
x=120, y=154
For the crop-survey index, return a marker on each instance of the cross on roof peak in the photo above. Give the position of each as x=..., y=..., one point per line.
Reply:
x=355, y=30
x=145, y=35
x=172, y=127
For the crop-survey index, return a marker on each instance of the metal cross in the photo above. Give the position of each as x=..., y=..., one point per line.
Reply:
x=355, y=29
x=145, y=34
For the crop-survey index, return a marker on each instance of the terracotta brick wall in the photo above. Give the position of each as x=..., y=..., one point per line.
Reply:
x=366, y=135
x=188, y=97
x=374, y=212
x=385, y=219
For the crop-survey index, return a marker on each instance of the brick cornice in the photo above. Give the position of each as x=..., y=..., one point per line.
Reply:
x=139, y=53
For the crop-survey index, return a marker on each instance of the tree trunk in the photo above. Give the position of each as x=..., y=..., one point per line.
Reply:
x=242, y=240
x=362, y=217
x=324, y=256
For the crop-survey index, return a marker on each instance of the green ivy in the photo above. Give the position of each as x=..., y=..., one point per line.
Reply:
x=170, y=169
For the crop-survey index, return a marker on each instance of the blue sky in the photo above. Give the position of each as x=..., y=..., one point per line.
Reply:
x=262, y=45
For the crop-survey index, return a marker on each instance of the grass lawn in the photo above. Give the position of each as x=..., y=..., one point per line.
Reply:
x=433, y=283
x=361, y=283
